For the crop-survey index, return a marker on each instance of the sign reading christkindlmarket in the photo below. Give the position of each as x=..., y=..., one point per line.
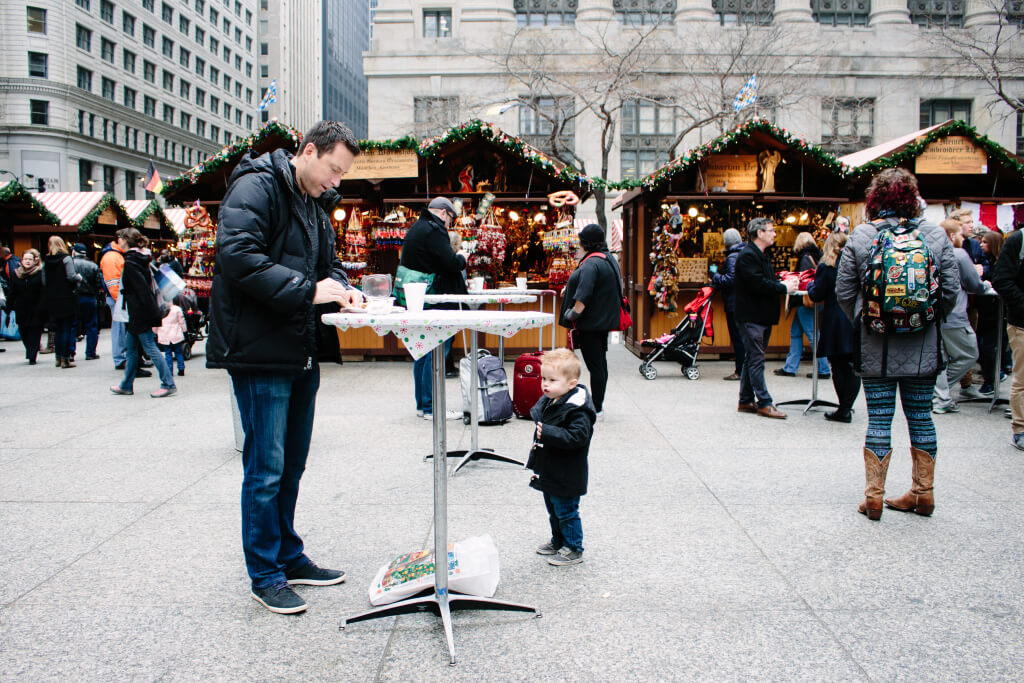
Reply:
x=384, y=163
x=953, y=154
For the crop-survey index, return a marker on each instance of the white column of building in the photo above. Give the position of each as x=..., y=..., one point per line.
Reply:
x=694, y=10
x=793, y=11
x=595, y=10
x=889, y=12
x=980, y=12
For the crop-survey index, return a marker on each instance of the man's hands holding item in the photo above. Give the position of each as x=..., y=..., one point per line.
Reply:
x=328, y=290
x=792, y=285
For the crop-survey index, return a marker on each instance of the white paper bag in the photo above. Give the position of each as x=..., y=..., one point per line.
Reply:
x=473, y=568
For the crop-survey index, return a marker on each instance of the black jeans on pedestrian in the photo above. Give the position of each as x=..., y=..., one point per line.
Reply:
x=988, y=339
x=752, y=384
x=30, y=336
x=845, y=381
x=737, y=340
x=593, y=345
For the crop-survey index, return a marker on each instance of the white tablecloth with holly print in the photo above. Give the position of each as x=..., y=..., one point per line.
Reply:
x=421, y=331
x=480, y=298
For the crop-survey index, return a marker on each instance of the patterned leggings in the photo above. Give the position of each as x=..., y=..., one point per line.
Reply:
x=916, y=398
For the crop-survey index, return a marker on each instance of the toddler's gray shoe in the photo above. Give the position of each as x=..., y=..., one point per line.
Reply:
x=566, y=556
x=547, y=549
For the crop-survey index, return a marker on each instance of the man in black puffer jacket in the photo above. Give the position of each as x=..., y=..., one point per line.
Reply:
x=275, y=262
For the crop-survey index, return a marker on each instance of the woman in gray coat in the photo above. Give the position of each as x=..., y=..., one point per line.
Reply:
x=908, y=361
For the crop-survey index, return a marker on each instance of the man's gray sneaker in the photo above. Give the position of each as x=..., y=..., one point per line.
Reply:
x=1018, y=441
x=566, y=556
x=312, y=575
x=547, y=549
x=941, y=408
x=279, y=599
x=972, y=392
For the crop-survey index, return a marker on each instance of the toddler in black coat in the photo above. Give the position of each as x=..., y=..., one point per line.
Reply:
x=565, y=424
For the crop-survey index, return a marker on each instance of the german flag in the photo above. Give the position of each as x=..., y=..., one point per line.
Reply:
x=153, y=182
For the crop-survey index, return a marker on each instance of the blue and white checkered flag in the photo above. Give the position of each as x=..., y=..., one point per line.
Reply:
x=270, y=97
x=747, y=94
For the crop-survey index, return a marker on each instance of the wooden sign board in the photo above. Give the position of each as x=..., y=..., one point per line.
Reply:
x=376, y=163
x=733, y=172
x=954, y=154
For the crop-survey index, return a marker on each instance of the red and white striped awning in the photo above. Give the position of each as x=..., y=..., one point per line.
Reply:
x=135, y=207
x=614, y=239
x=69, y=207
x=177, y=219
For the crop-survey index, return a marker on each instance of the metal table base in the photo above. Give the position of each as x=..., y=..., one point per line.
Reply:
x=441, y=602
x=813, y=401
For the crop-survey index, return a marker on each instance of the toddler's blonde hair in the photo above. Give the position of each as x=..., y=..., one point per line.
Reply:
x=562, y=361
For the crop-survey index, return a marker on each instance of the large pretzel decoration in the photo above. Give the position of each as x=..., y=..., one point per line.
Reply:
x=563, y=198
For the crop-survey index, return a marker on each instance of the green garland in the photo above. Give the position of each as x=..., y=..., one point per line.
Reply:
x=108, y=200
x=432, y=146
x=407, y=142
x=230, y=155
x=152, y=207
x=738, y=134
x=914, y=150
x=15, y=191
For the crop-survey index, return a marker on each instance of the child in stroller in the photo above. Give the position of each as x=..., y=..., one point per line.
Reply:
x=195, y=321
x=683, y=343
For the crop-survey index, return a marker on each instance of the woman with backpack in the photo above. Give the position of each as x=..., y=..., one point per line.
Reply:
x=897, y=338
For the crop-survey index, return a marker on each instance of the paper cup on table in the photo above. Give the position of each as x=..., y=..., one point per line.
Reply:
x=414, y=293
x=520, y=283
x=476, y=284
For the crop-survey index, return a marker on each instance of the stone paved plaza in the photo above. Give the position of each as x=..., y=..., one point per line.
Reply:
x=720, y=546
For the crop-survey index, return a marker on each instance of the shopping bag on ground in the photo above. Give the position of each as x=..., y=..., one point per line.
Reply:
x=473, y=568
x=9, y=326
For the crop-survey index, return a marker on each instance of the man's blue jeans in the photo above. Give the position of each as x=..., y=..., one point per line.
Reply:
x=117, y=334
x=423, y=380
x=146, y=340
x=87, y=325
x=803, y=326
x=277, y=417
x=564, y=516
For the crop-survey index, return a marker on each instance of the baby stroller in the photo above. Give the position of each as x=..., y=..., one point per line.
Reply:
x=195, y=321
x=683, y=343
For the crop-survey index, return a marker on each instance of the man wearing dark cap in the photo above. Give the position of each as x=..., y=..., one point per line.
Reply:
x=88, y=292
x=428, y=249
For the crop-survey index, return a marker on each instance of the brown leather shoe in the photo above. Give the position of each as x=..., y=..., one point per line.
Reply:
x=746, y=408
x=734, y=377
x=920, y=499
x=874, y=484
x=771, y=411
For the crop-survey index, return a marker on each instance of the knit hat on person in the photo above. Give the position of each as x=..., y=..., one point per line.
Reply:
x=443, y=203
x=731, y=237
x=592, y=237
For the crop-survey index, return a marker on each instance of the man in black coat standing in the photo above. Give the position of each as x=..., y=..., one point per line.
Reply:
x=275, y=262
x=428, y=249
x=1008, y=281
x=757, y=308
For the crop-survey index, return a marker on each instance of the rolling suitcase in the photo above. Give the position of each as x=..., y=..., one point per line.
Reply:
x=494, y=406
x=526, y=383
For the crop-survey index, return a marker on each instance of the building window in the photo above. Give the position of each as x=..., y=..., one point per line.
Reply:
x=200, y=35
x=184, y=89
x=200, y=6
x=248, y=123
x=939, y=111
x=214, y=132
x=109, y=88
x=168, y=81
x=937, y=13
x=264, y=49
x=238, y=63
x=248, y=44
x=841, y=12
x=1020, y=133
x=200, y=66
x=227, y=137
x=227, y=27
x=201, y=128
x=227, y=83
x=129, y=97
x=128, y=23
x=38, y=64
x=148, y=4
x=214, y=75
x=645, y=12
x=184, y=25
x=84, y=4
x=36, y=17
x=149, y=106
x=83, y=37
x=129, y=184
x=168, y=114
x=149, y=71
x=168, y=48
x=107, y=50
x=184, y=57
x=248, y=18
x=238, y=117
x=107, y=11
x=167, y=13
x=185, y=120
x=227, y=111
x=540, y=116
x=434, y=115
x=39, y=111
x=129, y=61
x=214, y=16
x=214, y=46
x=238, y=36
x=437, y=23
x=227, y=55
x=248, y=95
x=200, y=97
x=214, y=105
x=847, y=124
x=648, y=131
x=149, y=36
x=551, y=13
x=84, y=79
x=264, y=71
x=108, y=178
x=238, y=8
x=84, y=175
x=757, y=12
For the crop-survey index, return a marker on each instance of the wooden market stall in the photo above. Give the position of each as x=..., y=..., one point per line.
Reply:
x=955, y=167
x=25, y=222
x=149, y=217
x=674, y=219
x=88, y=217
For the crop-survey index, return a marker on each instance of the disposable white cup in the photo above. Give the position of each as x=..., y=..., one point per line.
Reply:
x=476, y=284
x=520, y=283
x=414, y=293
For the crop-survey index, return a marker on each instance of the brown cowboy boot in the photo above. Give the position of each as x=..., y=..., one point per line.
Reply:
x=920, y=499
x=874, y=484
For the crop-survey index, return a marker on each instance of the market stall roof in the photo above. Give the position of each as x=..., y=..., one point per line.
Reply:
x=148, y=215
x=82, y=211
x=19, y=207
x=757, y=134
x=968, y=166
x=208, y=180
x=177, y=218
